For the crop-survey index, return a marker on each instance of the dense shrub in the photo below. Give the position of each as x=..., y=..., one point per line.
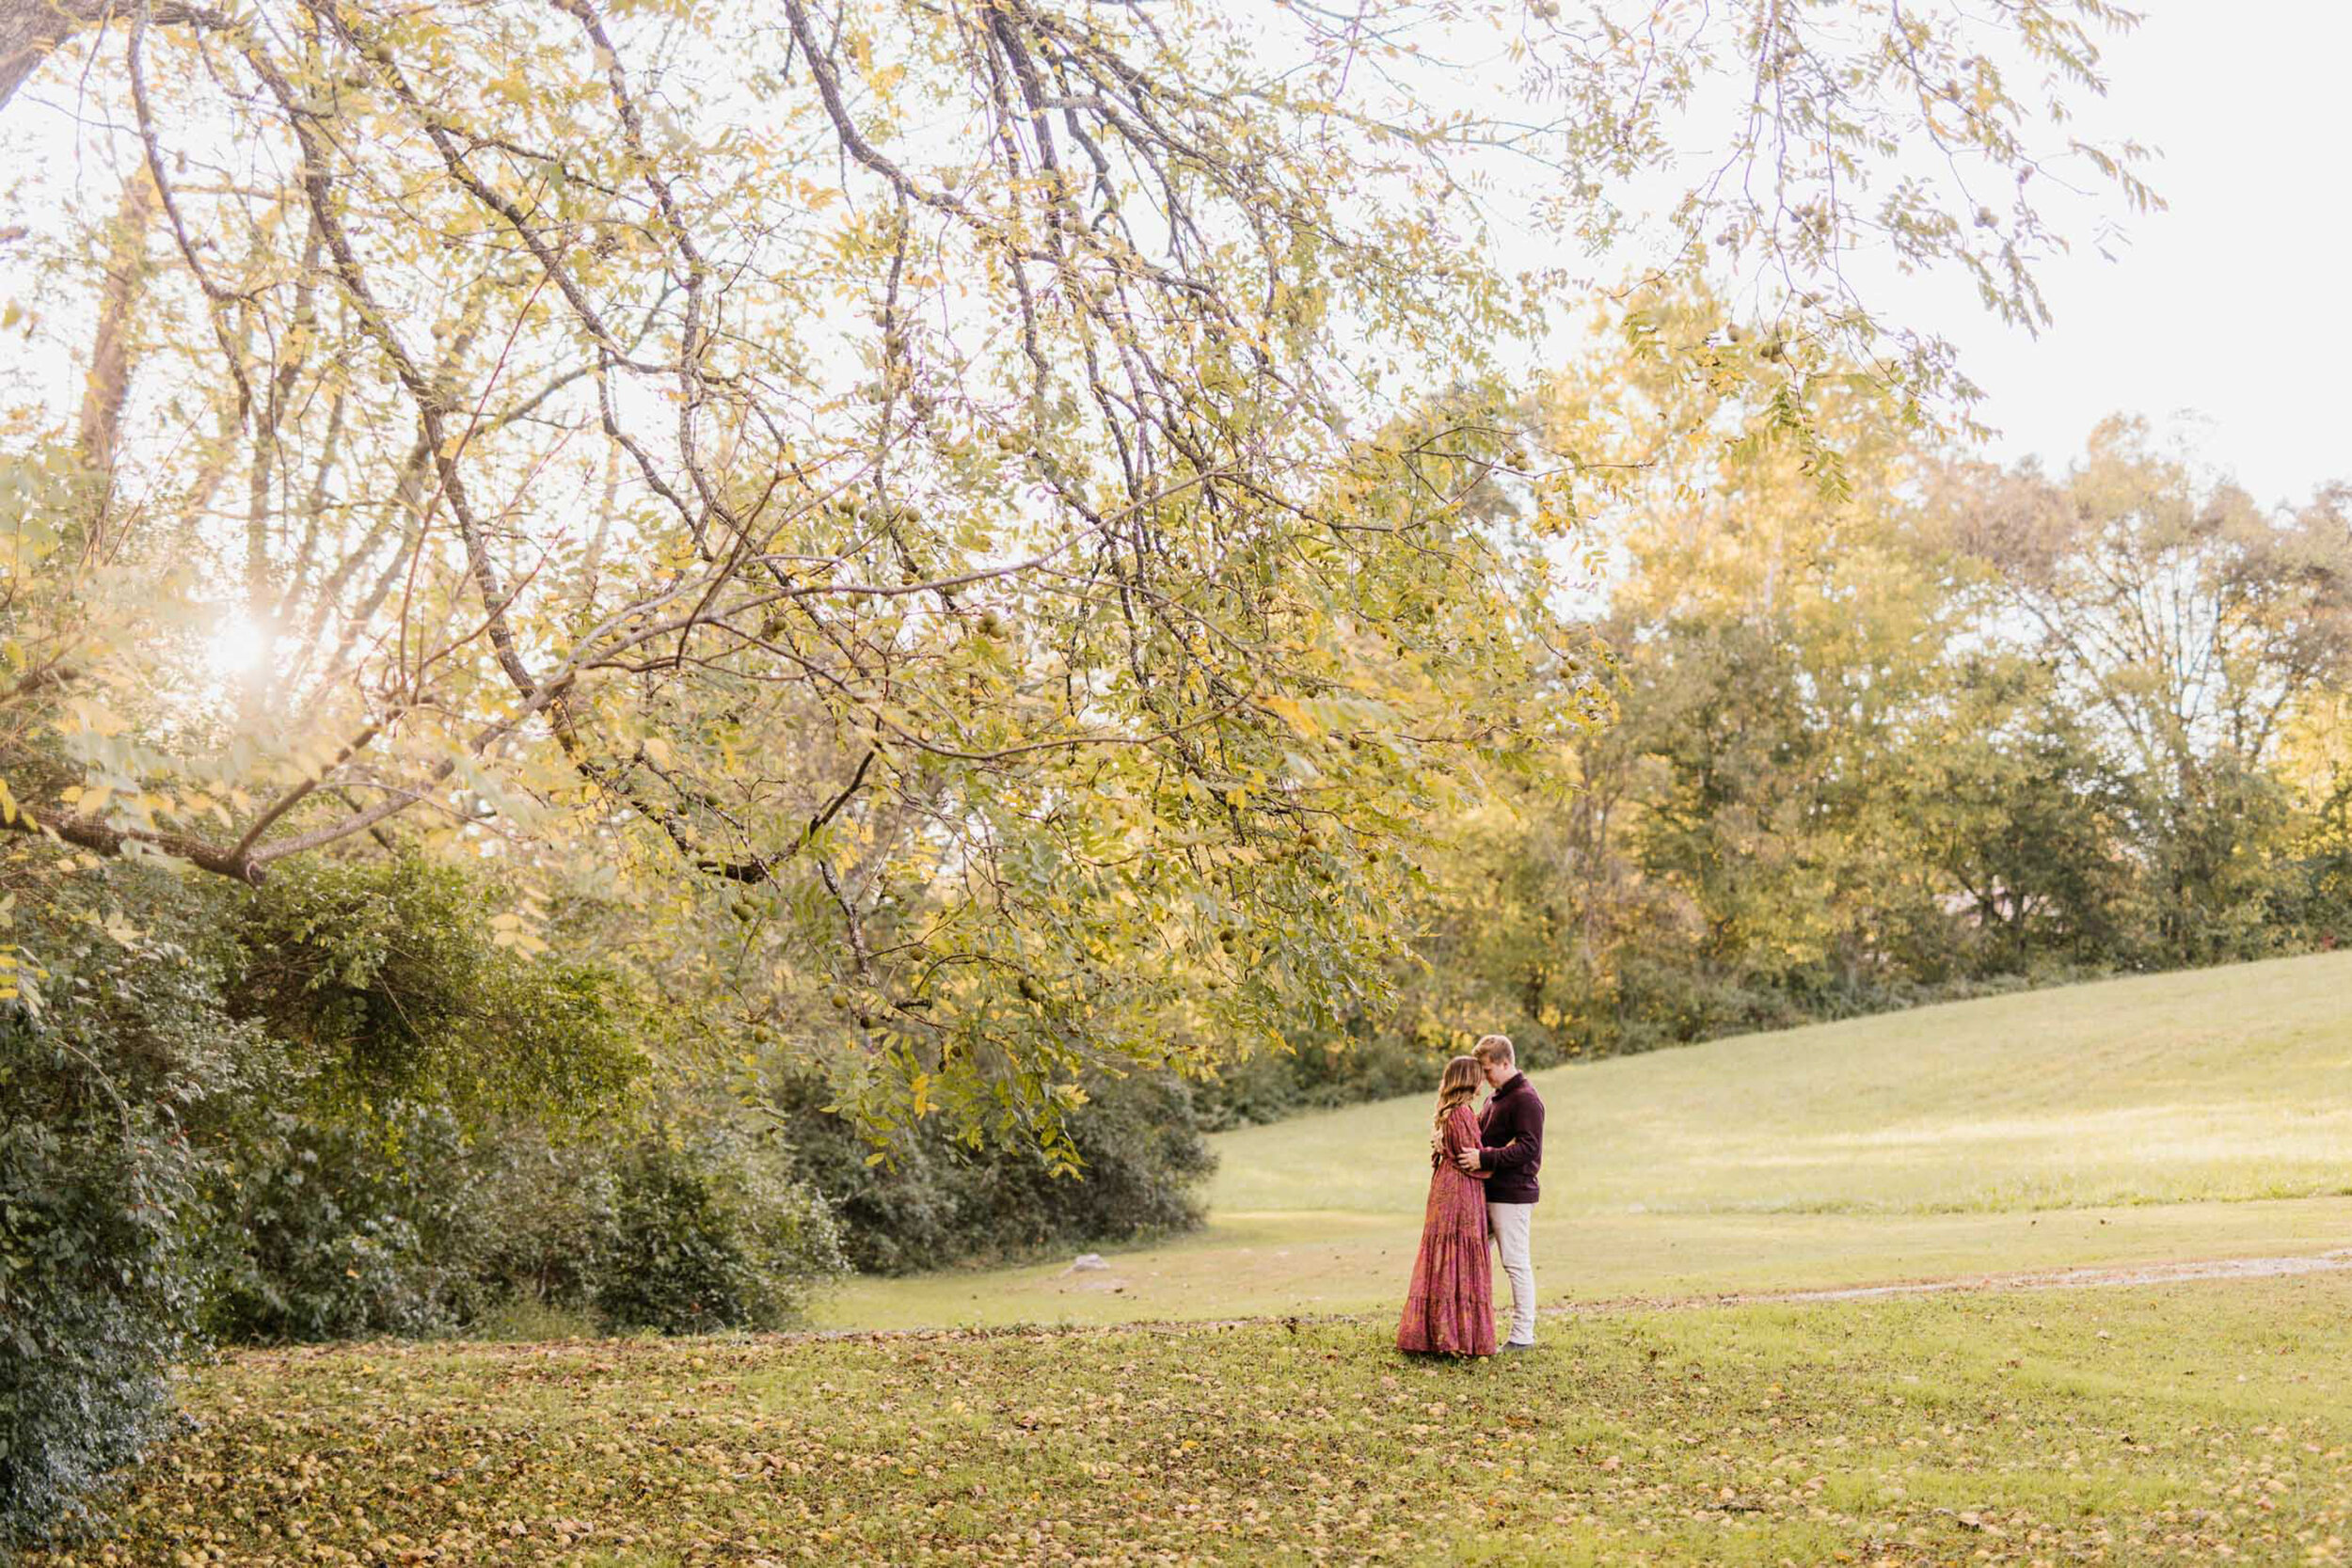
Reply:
x=439, y=1160
x=937, y=1201
x=469, y=1142
x=335, y=1229
x=711, y=1230
x=550, y=1201
x=385, y=975
x=111, y=1060
x=412, y=1227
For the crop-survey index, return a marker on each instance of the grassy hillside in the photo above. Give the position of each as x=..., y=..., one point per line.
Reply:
x=2230, y=1082
x=2122, y=1122
x=2186, y=1424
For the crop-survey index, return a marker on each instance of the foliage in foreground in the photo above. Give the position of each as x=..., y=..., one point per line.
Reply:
x=337, y=1107
x=2183, y=1424
x=104, y=1172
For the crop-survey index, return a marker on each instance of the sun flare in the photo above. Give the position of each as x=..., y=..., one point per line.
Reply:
x=236, y=649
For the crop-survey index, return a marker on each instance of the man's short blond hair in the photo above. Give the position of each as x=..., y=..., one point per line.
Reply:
x=1494, y=1048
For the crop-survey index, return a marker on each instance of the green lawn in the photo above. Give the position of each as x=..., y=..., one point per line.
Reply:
x=2188, y=1116
x=2177, y=1424
x=2206, y=1113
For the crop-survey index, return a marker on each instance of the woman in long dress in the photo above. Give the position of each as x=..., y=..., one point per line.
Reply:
x=1449, y=1305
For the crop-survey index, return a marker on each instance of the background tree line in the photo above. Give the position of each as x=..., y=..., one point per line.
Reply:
x=1911, y=728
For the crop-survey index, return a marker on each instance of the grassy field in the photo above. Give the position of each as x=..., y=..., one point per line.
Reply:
x=2189, y=1117
x=2176, y=1424
x=2206, y=1113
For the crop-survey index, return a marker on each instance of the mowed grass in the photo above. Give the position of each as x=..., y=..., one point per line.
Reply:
x=2218, y=1084
x=2163, y=1117
x=2175, y=1424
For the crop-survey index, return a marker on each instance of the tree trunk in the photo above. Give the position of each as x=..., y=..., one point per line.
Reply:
x=29, y=29
x=110, y=353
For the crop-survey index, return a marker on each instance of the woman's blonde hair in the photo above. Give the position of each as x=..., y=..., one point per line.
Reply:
x=1458, y=1085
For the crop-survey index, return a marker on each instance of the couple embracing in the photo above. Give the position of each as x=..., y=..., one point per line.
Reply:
x=1482, y=1184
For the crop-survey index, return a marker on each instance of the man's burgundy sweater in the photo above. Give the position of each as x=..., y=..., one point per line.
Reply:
x=1511, y=1139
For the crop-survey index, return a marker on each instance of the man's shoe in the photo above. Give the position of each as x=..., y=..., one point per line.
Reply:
x=1509, y=1345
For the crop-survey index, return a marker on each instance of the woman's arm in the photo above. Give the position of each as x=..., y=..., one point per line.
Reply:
x=1461, y=1132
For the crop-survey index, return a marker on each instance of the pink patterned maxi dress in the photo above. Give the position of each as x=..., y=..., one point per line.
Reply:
x=1450, y=1306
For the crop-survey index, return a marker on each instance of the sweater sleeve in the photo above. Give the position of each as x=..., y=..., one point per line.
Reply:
x=1461, y=1132
x=1527, y=1137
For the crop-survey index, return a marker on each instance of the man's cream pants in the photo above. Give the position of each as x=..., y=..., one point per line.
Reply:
x=1509, y=1223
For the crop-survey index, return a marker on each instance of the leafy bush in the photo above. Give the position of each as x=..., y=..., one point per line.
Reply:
x=936, y=1201
x=422, y=1176
x=335, y=1229
x=109, y=1064
x=412, y=1227
x=712, y=1232
x=549, y=1202
x=385, y=975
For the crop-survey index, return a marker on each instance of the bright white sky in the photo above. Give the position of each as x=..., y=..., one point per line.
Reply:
x=2226, y=318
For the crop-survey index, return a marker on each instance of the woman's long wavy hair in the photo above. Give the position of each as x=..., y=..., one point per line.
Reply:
x=1457, y=1087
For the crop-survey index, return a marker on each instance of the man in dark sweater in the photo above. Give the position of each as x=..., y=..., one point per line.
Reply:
x=1511, y=1136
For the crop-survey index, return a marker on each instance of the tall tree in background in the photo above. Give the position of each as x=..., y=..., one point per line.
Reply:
x=899, y=480
x=1783, y=643
x=2195, y=630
